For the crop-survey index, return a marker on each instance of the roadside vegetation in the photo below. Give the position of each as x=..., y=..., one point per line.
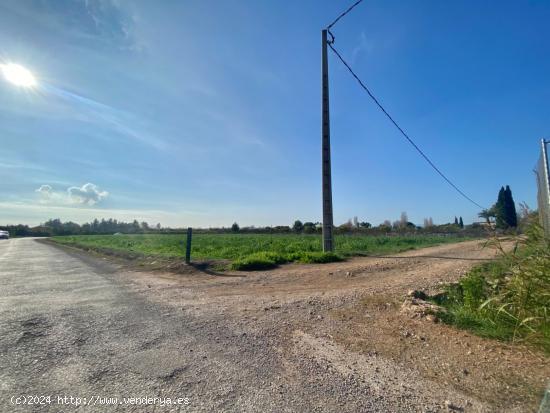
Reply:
x=402, y=226
x=265, y=260
x=254, y=251
x=507, y=299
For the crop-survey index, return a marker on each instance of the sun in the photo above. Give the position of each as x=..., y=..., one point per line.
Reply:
x=18, y=75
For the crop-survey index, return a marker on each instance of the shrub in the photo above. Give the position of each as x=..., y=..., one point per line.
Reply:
x=252, y=264
x=258, y=261
x=265, y=260
x=318, y=257
x=508, y=298
x=473, y=289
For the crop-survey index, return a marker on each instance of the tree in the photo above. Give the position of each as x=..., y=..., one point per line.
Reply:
x=499, y=210
x=403, y=220
x=461, y=223
x=428, y=222
x=510, y=214
x=298, y=226
x=487, y=214
x=456, y=221
x=309, y=227
x=348, y=226
x=235, y=227
x=365, y=224
x=505, y=209
x=281, y=228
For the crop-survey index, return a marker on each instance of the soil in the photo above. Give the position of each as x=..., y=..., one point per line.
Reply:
x=344, y=319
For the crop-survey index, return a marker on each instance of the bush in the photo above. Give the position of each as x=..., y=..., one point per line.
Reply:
x=265, y=260
x=473, y=290
x=258, y=261
x=318, y=257
x=252, y=264
x=508, y=298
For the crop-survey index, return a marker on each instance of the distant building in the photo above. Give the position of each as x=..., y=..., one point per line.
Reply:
x=484, y=224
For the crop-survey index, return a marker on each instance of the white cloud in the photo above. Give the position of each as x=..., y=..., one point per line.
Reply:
x=33, y=214
x=88, y=194
x=47, y=195
x=45, y=191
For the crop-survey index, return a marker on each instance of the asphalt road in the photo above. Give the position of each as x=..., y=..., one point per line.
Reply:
x=70, y=328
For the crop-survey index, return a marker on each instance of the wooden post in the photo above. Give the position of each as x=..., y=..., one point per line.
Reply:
x=326, y=169
x=188, y=245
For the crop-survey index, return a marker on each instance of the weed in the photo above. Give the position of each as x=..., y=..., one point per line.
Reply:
x=509, y=298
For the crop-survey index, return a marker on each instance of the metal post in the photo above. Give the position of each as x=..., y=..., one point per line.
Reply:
x=188, y=246
x=544, y=188
x=327, y=184
x=545, y=160
x=545, y=404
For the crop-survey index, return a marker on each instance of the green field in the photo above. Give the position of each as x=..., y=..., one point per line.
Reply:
x=254, y=251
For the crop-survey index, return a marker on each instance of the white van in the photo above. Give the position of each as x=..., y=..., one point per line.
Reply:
x=4, y=234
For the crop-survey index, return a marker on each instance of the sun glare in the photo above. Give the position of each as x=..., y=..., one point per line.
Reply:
x=18, y=75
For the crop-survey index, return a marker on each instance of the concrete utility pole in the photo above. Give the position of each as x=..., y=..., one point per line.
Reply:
x=328, y=245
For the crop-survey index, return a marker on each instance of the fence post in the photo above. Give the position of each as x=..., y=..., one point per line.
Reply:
x=188, y=245
x=543, y=181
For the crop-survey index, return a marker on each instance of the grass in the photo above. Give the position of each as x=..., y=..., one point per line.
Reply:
x=265, y=260
x=507, y=299
x=254, y=251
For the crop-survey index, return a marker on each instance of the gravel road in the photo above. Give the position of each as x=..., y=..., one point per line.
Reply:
x=77, y=325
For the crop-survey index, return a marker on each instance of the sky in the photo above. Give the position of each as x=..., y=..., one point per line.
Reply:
x=194, y=113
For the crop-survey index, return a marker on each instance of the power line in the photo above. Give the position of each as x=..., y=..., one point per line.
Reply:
x=343, y=14
x=391, y=119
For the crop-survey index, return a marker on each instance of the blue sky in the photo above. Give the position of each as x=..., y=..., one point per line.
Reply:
x=205, y=113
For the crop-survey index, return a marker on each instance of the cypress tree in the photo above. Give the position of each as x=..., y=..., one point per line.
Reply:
x=461, y=223
x=510, y=208
x=499, y=210
x=456, y=221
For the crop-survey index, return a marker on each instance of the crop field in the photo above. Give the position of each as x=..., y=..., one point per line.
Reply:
x=254, y=251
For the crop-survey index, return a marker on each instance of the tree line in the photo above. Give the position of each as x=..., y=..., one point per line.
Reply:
x=54, y=227
x=502, y=215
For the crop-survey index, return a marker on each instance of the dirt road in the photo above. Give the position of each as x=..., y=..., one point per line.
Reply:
x=296, y=339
